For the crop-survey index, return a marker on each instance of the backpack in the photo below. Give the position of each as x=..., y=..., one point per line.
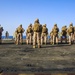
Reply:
x=71, y=29
x=29, y=30
x=19, y=30
x=1, y=29
x=36, y=27
x=44, y=30
x=74, y=28
x=55, y=30
x=63, y=28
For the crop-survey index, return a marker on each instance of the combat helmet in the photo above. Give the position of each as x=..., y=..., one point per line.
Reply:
x=55, y=24
x=44, y=25
x=37, y=20
x=65, y=26
x=30, y=25
x=71, y=24
x=20, y=25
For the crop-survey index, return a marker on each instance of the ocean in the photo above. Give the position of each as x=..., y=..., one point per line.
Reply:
x=11, y=37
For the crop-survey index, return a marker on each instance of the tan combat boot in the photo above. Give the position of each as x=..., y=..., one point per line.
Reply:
x=69, y=43
x=39, y=46
x=53, y=43
x=34, y=46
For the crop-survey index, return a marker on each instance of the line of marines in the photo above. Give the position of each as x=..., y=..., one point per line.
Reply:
x=37, y=34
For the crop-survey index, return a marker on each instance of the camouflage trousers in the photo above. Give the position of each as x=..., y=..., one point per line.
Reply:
x=74, y=36
x=0, y=39
x=29, y=38
x=51, y=38
x=15, y=38
x=19, y=39
x=36, y=39
x=43, y=38
x=65, y=38
x=71, y=38
x=55, y=39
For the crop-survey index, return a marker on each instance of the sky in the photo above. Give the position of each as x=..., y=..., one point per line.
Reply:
x=16, y=12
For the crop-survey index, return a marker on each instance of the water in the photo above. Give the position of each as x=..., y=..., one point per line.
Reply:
x=11, y=37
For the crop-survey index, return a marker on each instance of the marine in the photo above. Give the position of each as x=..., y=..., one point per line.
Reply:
x=29, y=34
x=74, y=33
x=51, y=37
x=19, y=31
x=55, y=31
x=70, y=32
x=37, y=34
x=64, y=33
x=15, y=37
x=1, y=30
x=44, y=34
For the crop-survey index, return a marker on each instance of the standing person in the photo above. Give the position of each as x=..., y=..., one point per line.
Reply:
x=64, y=33
x=1, y=30
x=36, y=34
x=29, y=34
x=51, y=37
x=19, y=32
x=74, y=34
x=40, y=33
x=70, y=32
x=15, y=37
x=44, y=34
x=55, y=31
x=7, y=34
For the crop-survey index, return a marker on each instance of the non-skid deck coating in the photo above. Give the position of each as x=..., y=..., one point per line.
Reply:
x=48, y=59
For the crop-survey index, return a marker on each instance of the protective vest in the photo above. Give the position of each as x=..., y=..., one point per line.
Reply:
x=63, y=29
x=1, y=29
x=55, y=30
x=29, y=30
x=71, y=30
x=20, y=30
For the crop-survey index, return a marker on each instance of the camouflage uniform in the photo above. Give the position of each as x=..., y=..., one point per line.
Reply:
x=64, y=33
x=40, y=33
x=15, y=37
x=55, y=31
x=70, y=32
x=29, y=34
x=74, y=33
x=44, y=34
x=51, y=37
x=36, y=34
x=19, y=32
x=1, y=30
